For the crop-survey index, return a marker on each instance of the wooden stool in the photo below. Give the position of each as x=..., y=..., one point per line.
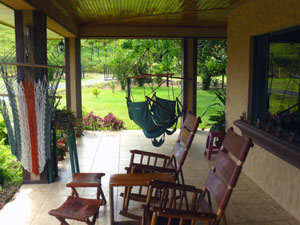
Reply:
x=211, y=148
x=78, y=209
x=87, y=180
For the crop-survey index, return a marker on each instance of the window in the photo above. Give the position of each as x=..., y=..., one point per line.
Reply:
x=276, y=80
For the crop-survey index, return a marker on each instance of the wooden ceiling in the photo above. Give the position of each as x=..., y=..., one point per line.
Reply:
x=86, y=18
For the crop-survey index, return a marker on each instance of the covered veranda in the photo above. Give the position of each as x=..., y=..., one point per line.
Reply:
x=108, y=152
x=275, y=173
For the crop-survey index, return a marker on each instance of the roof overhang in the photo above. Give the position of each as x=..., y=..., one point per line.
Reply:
x=133, y=18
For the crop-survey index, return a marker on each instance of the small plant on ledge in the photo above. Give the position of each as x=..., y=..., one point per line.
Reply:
x=243, y=116
x=278, y=131
x=292, y=136
x=258, y=123
x=268, y=127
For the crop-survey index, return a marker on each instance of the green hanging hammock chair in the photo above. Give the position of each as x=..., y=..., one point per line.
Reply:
x=154, y=115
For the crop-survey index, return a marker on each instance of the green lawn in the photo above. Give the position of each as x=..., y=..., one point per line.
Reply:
x=116, y=103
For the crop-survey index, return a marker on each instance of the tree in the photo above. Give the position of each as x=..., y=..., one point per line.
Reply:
x=121, y=65
x=97, y=47
x=212, y=60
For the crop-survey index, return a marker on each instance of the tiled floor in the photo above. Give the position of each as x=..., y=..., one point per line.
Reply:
x=109, y=152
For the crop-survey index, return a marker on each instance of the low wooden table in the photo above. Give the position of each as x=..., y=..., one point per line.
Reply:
x=129, y=180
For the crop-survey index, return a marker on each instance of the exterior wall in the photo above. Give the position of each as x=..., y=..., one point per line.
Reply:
x=274, y=176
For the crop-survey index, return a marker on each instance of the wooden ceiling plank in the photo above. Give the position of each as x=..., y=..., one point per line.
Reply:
x=148, y=19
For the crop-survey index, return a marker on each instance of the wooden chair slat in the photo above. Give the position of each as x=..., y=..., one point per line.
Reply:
x=189, y=121
x=216, y=187
x=179, y=152
x=225, y=166
x=184, y=136
x=236, y=144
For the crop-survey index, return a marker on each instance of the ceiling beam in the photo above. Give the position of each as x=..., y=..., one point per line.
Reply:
x=54, y=14
x=117, y=31
x=6, y=24
x=17, y=4
x=57, y=28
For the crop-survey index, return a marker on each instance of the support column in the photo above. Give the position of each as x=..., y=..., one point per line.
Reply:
x=189, y=71
x=73, y=75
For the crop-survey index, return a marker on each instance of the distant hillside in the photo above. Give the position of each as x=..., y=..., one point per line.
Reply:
x=7, y=39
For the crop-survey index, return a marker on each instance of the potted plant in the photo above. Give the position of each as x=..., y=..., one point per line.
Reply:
x=60, y=150
x=243, y=116
x=249, y=120
x=278, y=131
x=64, y=119
x=79, y=128
x=258, y=123
x=291, y=136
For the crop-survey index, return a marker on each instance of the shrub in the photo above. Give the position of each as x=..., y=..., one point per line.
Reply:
x=109, y=122
x=92, y=122
x=10, y=168
x=96, y=92
x=112, y=85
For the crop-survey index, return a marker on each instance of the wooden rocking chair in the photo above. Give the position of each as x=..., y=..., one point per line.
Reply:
x=149, y=162
x=171, y=210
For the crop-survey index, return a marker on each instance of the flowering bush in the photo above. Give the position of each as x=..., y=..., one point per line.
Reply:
x=109, y=122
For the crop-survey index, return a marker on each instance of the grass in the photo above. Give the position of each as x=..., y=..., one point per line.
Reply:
x=116, y=103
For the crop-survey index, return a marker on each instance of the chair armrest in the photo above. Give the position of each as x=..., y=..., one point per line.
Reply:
x=152, y=154
x=182, y=214
x=153, y=168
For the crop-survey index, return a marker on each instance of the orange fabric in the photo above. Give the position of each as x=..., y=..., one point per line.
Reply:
x=30, y=102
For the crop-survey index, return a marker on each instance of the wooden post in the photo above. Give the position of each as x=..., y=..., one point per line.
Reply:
x=189, y=72
x=73, y=75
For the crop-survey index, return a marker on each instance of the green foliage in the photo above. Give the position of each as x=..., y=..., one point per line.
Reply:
x=212, y=60
x=64, y=118
x=7, y=40
x=283, y=58
x=3, y=131
x=10, y=168
x=128, y=57
x=96, y=91
x=217, y=118
x=121, y=65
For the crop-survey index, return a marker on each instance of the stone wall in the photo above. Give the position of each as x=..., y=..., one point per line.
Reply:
x=279, y=179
